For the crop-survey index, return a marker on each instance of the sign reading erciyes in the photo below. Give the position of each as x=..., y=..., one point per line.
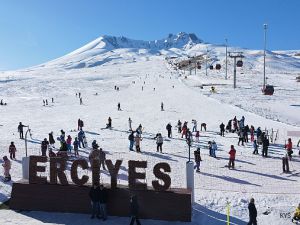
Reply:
x=58, y=172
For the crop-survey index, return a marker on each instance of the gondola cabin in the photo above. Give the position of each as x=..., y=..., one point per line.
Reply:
x=268, y=90
x=239, y=63
x=218, y=66
x=211, y=67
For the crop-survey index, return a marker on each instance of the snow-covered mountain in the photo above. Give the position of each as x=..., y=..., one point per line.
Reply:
x=108, y=50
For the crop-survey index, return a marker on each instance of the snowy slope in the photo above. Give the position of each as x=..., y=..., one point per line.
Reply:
x=255, y=176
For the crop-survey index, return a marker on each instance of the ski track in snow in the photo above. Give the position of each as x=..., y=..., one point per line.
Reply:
x=254, y=176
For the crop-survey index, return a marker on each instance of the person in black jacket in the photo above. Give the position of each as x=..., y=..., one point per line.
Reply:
x=222, y=129
x=95, y=200
x=169, y=129
x=103, y=201
x=252, y=212
x=51, y=139
x=44, y=146
x=134, y=209
x=265, y=146
x=131, y=140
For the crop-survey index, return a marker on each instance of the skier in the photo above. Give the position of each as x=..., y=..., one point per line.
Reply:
x=6, y=166
x=69, y=143
x=194, y=125
x=179, y=126
x=102, y=158
x=197, y=160
x=169, y=129
x=12, y=150
x=20, y=130
x=252, y=212
x=235, y=128
x=137, y=140
x=44, y=146
x=289, y=148
x=80, y=138
x=159, y=142
x=134, y=209
x=232, y=153
x=52, y=99
x=229, y=126
x=76, y=145
x=80, y=101
x=108, y=125
x=94, y=144
x=130, y=123
x=46, y=102
x=296, y=217
x=255, y=146
x=43, y=102
x=119, y=106
x=162, y=106
x=210, y=148
x=222, y=129
x=51, y=139
x=265, y=145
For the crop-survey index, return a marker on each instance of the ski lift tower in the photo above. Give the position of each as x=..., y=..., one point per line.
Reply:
x=235, y=55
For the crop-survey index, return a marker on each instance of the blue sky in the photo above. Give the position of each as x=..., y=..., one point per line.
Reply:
x=35, y=31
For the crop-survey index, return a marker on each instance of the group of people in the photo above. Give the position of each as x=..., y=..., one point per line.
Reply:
x=99, y=197
x=2, y=103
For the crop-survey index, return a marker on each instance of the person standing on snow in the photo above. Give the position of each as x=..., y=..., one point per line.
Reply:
x=169, y=129
x=184, y=129
x=137, y=140
x=252, y=213
x=197, y=160
x=51, y=139
x=119, y=106
x=214, y=148
x=131, y=140
x=108, y=125
x=232, y=153
x=6, y=166
x=76, y=145
x=255, y=146
x=102, y=158
x=252, y=133
x=20, y=130
x=197, y=135
x=241, y=137
x=289, y=148
x=69, y=143
x=265, y=145
x=159, y=142
x=80, y=138
x=130, y=124
x=245, y=133
x=44, y=146
x=12, y=150
x=179, y=126
x=222, y=129
x=162, y=106
x=194, y=125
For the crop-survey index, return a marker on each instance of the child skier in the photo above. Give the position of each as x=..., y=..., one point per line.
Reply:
x=255, y=147
x=12, y=150
x=6, y=166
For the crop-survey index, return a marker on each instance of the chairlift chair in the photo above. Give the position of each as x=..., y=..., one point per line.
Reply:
x=218, y=66
x=211, y=67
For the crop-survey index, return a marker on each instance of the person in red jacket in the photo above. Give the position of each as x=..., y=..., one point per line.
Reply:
x=12, y=150
x=231, y=157
x=289, y=148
